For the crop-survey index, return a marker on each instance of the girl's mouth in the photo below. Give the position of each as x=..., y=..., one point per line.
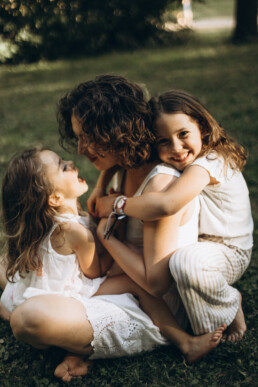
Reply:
x=182, y=158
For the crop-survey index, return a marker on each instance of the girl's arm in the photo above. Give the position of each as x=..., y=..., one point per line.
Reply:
x=155, y=205
x=82, y=243
x=100, y=189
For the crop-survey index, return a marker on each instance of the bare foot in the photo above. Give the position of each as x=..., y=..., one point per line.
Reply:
x=72, y=365
x=4, y=313
x=237, y=328
x=199, y=346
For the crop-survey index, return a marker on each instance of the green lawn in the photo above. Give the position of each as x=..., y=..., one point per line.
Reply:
x=224, y=77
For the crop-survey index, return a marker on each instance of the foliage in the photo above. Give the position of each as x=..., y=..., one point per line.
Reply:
x=223, y=77
x=57, y=28
x=246, y=20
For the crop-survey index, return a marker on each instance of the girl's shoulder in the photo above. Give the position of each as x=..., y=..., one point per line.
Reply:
x=214, y=164
x=69, y=232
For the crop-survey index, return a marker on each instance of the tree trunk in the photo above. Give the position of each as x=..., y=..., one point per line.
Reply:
x=246, y=19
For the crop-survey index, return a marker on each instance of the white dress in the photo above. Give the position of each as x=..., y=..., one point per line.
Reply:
x=187, y=235
x=120, y=327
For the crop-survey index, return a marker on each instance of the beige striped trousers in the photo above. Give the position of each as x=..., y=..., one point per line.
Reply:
x=204, y=273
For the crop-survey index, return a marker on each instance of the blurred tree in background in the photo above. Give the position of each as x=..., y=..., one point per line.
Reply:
x=58, y=28
x=50, y=29
x=246, y=20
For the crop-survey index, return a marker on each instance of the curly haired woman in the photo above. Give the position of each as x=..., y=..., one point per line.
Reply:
x=109, y=120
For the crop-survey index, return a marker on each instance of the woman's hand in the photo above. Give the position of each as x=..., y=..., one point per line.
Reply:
x=91, y=202
x=104, y=205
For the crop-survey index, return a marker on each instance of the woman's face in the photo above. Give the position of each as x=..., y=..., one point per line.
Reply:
x=101, y=160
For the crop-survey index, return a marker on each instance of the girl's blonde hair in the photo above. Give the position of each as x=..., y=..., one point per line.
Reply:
x=213, y=135
x=27, y=216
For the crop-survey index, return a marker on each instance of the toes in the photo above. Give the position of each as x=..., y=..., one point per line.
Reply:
x=223, y=327
x=61, y=370
x=224, y=338
x=67, y=378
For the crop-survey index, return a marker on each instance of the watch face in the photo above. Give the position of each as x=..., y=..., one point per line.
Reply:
x=120, y=203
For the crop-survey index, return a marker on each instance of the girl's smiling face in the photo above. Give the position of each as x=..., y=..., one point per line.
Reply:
x=179, y=139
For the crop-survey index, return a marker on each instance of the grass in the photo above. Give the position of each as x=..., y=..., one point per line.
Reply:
x=224, y=77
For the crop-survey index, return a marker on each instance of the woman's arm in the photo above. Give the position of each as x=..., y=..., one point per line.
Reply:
x=100, y=189
x=148, y=269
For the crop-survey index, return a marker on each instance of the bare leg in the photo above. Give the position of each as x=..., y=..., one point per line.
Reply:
x=53, y=320
x=237, y=328
x=4, y=313
x=192, y=347
x=3, y=279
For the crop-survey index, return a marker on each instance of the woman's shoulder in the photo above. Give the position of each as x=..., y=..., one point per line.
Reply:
x=160, y=177
x=164, y=168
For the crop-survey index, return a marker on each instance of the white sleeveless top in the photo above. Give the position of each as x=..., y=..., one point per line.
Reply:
x=187, y=233
x=60, y=274
x=225, y=207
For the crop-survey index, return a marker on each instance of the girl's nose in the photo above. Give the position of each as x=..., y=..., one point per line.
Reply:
x=176, y=145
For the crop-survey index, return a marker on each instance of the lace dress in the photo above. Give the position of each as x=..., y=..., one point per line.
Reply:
x=120, y=327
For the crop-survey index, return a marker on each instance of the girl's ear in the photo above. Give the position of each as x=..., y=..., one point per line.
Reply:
x=56, y=199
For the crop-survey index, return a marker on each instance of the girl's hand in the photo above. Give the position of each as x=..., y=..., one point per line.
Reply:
x=91, y=202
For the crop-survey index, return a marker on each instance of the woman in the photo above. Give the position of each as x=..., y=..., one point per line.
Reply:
x=110, y=118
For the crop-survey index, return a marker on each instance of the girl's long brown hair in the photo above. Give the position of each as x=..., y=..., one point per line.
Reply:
x=27, y=216
x=213, y=135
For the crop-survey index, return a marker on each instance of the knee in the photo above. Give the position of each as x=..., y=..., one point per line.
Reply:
x=25, y=321
x=186, y=267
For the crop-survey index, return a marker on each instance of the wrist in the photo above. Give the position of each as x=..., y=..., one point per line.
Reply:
x=119, y=205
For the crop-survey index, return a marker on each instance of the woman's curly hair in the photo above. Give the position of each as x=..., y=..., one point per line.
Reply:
x=27, y=216
x=115, y=117
x=213, y=135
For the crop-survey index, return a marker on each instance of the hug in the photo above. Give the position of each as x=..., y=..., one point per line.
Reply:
x=167, y=267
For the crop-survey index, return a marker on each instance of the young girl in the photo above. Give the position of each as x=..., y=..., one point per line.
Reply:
x=190, y=140
x=50, y=250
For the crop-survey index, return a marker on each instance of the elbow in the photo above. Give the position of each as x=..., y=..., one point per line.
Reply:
x=155, y=286
x=168, y=209
x=165, y=209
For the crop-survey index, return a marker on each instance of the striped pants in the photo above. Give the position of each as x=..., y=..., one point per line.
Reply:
x=204, y=273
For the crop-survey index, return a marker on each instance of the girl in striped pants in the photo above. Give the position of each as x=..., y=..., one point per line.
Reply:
x=191, y=140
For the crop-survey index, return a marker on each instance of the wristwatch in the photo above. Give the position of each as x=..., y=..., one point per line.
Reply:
x=119, y=205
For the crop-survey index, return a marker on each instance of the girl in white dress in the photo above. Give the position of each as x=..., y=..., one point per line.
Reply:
x=53, y=265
